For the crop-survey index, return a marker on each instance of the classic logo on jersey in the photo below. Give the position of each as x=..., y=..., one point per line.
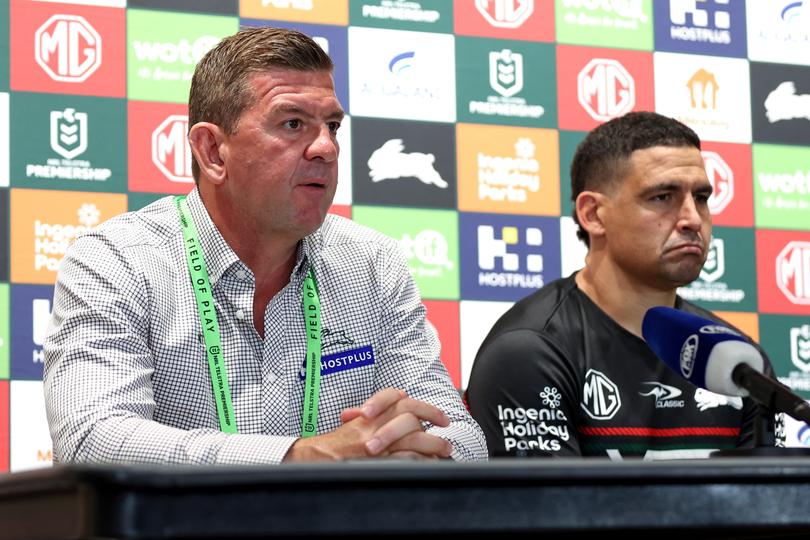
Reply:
x=511, y=255
x=68, y=48
x=171, y=152
x=688, y=354
x=703, y=26
x=600, y=396
x=69, y=133
x=615, y=23
x=665, y=396
x=529, y=430
x=800, y=347
x=391, y=161
x=706, y=93
x=793, y=272
x=605, y=89
x=721, y=178
x=779, y=31
x=505, y=13
x=705, y=399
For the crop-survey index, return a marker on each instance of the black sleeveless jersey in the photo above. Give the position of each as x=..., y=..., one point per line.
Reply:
x=556, y=376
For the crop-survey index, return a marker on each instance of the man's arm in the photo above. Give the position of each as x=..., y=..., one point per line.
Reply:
x=525, y=395
x=99, y=369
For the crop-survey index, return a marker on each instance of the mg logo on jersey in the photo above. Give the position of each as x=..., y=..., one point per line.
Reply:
x=67, y=48
x=715, y=265
x=605, y=89
x=171, y=152
x=505, y=13
x=722, y=179
x=68, y=133
x=800, y=347
x=793, y=272
x=506, y=72
x=703, y=90
x=600, y=396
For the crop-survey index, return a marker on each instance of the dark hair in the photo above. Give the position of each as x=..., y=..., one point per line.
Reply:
x=219, y=88
x=601, y=158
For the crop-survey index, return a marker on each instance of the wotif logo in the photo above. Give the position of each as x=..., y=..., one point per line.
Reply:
x=390, y=161
x=793, y=272
x=784, y=104
x=506, y=72
x=509, y=178
x=171, y=152
x=289, y=4
x=68, y=48
x=605, y=89
x=600, y=396
x=715, y=265
x=722, y=179
x=630, y=10
x=68, y=133
x=688, y=354
x=429, y=247
x=52, y=240
x=505, y=13
x=709, y=23
x=800, y=347
x=703, y=90
x=184, y=54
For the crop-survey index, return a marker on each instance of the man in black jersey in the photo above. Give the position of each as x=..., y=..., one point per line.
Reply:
x=565, y=372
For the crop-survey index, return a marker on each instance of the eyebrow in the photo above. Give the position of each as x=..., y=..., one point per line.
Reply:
x=336, y=114
x=674, y=186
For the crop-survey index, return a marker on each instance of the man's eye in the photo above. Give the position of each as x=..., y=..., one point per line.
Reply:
x=661, y=197
x=293, y=124
x=334, y=126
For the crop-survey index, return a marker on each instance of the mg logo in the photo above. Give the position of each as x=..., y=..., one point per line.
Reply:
x=67, y=48
x=506, y=72
x=600, y=396
x=490, y=249
x=793, y=272
x=800, y=347
x=722, y=179
x=171, y=152
x=715, y=265
x=505, y=13
x=605, y=89
x=68, y=133
x=703, y=90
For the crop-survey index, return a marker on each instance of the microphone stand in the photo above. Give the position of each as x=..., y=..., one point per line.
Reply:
x=765, y=431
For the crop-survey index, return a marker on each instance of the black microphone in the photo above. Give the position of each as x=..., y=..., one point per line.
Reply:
x=715, y=357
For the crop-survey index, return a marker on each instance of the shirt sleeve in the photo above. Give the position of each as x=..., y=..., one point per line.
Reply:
x=98, y=373
x=409, y=359
x=524, y=393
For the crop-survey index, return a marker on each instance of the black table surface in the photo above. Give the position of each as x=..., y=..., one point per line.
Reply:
x=753, y=497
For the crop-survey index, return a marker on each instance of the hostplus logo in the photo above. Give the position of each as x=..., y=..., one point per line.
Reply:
x=509, y=178
x=505, y=13
x=184, y=54
x=701, y=21
x=500, y=266
x=783, y=103
x=605, y=89
x=665, y=396
x=600, y=396
x=506, y=78
x=721, y=177
x=68, y=48
x=171, y=152
x=793, y=272
x=429, y=247
x=800, y=347
x=390, y=161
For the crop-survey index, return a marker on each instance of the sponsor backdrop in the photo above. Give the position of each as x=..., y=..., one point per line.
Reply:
x=463, y=118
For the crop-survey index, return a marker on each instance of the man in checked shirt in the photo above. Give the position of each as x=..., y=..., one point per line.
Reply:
x=154, y=357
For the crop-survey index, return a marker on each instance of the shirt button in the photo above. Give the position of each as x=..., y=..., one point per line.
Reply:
x=240, y=314
x=241, y=274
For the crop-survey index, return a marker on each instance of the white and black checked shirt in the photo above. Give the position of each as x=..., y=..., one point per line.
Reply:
x=127, y=377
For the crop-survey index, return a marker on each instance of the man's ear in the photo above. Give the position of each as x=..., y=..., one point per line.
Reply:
x=206, y=139
x=589, y=206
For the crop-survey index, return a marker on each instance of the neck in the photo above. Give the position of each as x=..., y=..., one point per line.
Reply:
x=624, y=299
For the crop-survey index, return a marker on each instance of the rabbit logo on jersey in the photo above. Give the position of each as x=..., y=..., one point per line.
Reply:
x=540, y=429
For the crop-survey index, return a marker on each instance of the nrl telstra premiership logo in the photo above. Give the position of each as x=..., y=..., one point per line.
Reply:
x=715, y=265
x=800, y=347
x=505, y=13
x=506, y=72
x=68, y=48
x=68, y=133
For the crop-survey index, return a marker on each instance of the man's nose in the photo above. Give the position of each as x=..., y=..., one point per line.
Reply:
x=324, y=146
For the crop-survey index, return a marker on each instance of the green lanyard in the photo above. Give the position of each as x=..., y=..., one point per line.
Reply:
x=213, y=343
